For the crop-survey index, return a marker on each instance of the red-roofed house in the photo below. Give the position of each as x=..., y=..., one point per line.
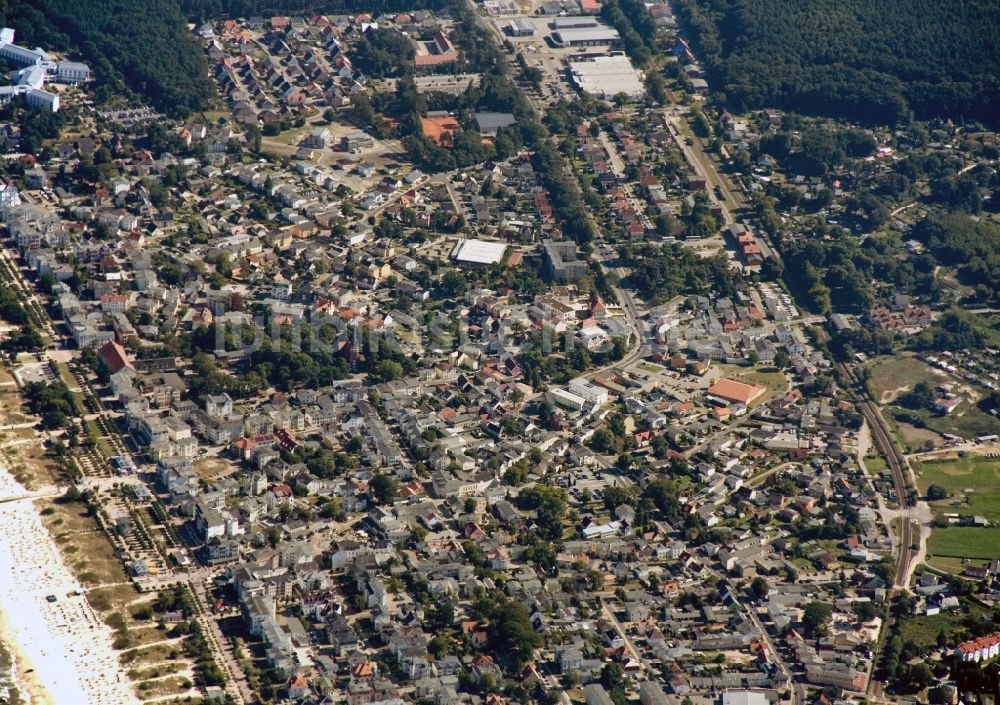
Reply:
x=297, y=687
x=981, y=649
x=114, y=357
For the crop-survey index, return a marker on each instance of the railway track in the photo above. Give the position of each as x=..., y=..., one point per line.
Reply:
x=900, y=479
x=897, y=466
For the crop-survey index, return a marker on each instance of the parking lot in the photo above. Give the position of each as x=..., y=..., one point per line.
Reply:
x=34, y=372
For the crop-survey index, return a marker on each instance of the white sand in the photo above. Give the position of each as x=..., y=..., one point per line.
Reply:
x=65, y=642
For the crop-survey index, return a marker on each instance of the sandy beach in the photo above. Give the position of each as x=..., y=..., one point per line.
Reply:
x=63, y=650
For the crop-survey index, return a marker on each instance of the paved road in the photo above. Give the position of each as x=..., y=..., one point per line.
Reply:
x=609, y=614
x=631, y=311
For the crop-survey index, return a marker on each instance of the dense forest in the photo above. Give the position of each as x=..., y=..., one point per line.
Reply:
x=141, y=47
x=871, y=61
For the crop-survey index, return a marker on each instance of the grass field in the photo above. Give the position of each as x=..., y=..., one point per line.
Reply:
x=103, y=445
x=923, y=631
x=172, y=685
x=876, y=464
x=955, y=566
x=891, y=376
x=919, y=438
x=965, y=542
x=979, y=475
x=292, y=136
x=973, y=485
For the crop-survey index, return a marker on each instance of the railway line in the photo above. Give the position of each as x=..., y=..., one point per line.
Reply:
x=905, y=498
x=897, y=465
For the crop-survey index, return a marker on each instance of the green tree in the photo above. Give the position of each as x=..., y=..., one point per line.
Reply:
x=388, y=370
x=865, y=611
x=511, y=633
x=936, y=493
x=384, y=488
x=613, y=680
x=549, y=504
x=815, y=617
x=616, y=496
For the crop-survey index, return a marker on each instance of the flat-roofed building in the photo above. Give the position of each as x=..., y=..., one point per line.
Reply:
x=606, y=76
x=740, y=697
x=318, y=138
x=38, y=67
x=356, y=141
x=489, y=123
x=520, y=27
x=480, y=253
x=597, y=695
x=585, y=36
x=561, y=263
x=560, y=23
x=72, y=72
x=651, y=693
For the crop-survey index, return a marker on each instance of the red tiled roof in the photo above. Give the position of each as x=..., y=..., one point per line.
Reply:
x=114, y=357
x=731, y=390
x=974, y=645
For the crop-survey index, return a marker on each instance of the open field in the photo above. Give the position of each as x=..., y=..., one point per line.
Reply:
x=10, y=400
x=891, y=376
x=93, y=561
x=980, y=476
x=151, y=654
x=947, y=564
x=967, y=421
x=972, y=484
x=923, y=631
x=20, y=449
x=292, y=136
x=965, y=542
x=172, y=685
x=919, y=438
x=158, y=671
x=876, y=464
x=25, y=457
x=212, y=469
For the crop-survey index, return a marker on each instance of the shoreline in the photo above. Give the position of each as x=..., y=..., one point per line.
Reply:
x=58, y=643
x=20, y=676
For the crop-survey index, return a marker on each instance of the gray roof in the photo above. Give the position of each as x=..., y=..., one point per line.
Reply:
x=491, y=122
